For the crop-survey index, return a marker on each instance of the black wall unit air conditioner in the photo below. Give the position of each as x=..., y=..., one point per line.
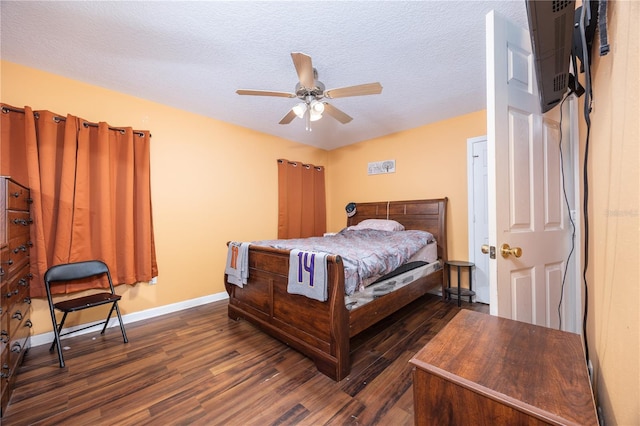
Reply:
x=551, y=28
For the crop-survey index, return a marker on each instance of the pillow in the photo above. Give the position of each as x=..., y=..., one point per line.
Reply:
x=379, y=224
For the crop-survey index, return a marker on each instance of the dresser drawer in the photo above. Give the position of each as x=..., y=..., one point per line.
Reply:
x=4, y=374
x=4, y=264
x=18, y=224
x=20, y=331
x=19, y=311
x=4, y=331
x=19, y=248
x=17, y=196
x=12, y=288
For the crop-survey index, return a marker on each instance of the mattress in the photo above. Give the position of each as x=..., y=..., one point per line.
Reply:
x=428, y=253
x=385, y=286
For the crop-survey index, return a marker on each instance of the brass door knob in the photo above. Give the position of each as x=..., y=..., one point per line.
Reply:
x=484, y=248
x=507, y=251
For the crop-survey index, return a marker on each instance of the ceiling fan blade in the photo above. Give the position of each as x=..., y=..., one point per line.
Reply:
x=288, y=118
x=359, y=90
x=304, y=69
x=336, y=113
x=265, y=93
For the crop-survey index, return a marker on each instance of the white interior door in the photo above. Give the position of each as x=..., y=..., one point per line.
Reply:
x=478, y=215
x=526, y=208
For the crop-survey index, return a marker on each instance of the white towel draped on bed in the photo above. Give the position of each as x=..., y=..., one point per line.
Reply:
x=237, y=268
x=308, y=274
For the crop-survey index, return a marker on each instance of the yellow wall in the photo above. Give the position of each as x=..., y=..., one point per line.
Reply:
x=613, y=328
x=430, y=163
x=211, y=182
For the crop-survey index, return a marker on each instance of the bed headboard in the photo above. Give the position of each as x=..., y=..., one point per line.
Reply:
x=424, y=215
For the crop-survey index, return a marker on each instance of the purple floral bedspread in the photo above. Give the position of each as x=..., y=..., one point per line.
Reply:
x=365, y=253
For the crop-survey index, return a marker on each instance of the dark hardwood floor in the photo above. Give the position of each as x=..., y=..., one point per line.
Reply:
x=199, y=367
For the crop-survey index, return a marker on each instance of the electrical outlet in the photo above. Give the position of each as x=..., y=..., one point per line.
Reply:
x=381, y=167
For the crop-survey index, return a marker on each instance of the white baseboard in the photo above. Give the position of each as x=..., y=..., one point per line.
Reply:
x=47, y=338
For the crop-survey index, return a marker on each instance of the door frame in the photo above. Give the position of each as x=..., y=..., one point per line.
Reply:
x=473, y=249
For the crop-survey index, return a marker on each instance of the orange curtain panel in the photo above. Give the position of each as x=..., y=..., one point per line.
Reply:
x=301, y=200
x=90, y=185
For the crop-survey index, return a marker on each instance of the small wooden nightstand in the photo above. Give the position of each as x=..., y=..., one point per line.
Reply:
x=459, y=291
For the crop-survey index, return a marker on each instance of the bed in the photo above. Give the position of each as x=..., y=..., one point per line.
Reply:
x=322, y=330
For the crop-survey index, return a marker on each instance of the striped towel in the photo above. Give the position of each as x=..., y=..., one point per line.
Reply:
x=308, y=274
x=237, y=268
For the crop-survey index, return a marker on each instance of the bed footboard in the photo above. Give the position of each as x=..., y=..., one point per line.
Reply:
x=320, y=330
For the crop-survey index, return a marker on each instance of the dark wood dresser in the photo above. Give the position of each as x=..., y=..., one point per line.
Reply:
x=484, y=370
x=15, y=301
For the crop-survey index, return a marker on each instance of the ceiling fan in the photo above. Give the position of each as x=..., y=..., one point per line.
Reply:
x=311, y=92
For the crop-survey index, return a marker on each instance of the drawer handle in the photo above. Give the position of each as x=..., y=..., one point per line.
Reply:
x=28, y=323
x=23, y=222
x=4, y=336
x=21, y=248
x=27, y=300
x=17, y=315
x=1, y=271
x=16, y=194
x=22, y=282
x=16, y=347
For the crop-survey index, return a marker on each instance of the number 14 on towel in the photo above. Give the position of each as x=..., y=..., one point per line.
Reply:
x=308, y=274
x=306, y=263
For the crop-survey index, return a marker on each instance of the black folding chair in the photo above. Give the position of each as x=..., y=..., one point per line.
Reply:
x=77, y=271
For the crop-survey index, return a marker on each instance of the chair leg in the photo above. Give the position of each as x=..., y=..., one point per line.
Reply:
x=59, y=328
x=106, y=322
x=124, y=334
x=56, y=333
x=117, y=309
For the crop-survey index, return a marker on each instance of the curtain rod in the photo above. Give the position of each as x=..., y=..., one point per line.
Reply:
x=6, y=109
x=295, y=164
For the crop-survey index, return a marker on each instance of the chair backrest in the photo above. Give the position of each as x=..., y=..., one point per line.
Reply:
x=76, y=271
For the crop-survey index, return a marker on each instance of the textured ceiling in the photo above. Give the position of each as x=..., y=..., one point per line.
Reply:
x=429, y=56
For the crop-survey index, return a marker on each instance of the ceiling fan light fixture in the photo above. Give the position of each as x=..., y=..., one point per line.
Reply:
x=315, y=116
x=317, y=107
x=300, y=109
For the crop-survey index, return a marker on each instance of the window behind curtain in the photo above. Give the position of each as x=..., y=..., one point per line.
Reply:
x=90, y=185
x=301, y=200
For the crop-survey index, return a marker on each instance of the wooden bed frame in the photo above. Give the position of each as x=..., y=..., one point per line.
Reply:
x=322, y=330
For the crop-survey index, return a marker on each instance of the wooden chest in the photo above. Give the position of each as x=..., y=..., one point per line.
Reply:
x=484, y=370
